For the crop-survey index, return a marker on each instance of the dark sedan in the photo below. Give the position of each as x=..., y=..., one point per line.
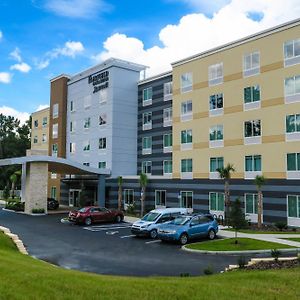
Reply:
x=95, y=214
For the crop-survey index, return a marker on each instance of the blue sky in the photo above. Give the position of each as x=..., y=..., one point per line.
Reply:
x=40, y=39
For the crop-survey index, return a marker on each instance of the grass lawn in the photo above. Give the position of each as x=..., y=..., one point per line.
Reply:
x=22, y=277
x=251, y=231
x=229, y=245
x=293, y=239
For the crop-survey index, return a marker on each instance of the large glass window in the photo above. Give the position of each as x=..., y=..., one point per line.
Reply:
x=186, y=199
x=55, y=131
x=186, y=165
x=102, y=143
x=147, y=118
x=168, y=88
x=292, y=49
x=55, y=110
x=252, y=128
x=168, y=167
x=293, y=123
x=146, y=167
x=251, y=61
x=186, y=82
x=168, y=115
x=129, y=196
x=293, y=161
x=216, y=133
x=215, y=73
x=147, y=94
x=168, y=140
x=160, y=198
x=292, y=85
x=186, y=107
x=251, y=201
x=293, y=202
x=45, y=121
x=186, y=136
x=216, y=201
x=252, y=94
x=253, y=163
x=147, y=142
x=216, y=101
x=216, y=163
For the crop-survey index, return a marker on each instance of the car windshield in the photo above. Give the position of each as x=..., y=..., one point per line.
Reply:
x=150, y=217
x=83, y=210
x=180, y=220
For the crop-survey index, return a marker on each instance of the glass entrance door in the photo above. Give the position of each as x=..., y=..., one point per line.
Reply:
x=74, y=197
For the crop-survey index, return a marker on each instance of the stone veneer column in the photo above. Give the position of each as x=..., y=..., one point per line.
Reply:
x=36, y=186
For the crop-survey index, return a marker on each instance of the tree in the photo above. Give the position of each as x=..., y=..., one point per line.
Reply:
x=259, y=182
x=6, y=193
x=143, y=184
x=225, y=173
x=120, y=183
x=13, y=179
x=237, y=217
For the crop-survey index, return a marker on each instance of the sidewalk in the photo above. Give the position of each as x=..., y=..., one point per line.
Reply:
x=130, y=219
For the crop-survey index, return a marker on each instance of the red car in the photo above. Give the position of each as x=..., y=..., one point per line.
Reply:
x=95, y=214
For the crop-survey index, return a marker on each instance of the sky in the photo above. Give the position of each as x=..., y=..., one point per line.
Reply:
x=40, y=39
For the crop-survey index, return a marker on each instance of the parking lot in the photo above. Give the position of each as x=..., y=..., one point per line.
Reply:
x=106, y=248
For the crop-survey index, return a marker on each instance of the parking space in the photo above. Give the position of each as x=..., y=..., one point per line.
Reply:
x=106, y=248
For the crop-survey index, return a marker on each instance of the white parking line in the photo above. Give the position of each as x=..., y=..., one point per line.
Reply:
x=127, y=236
x=95, y=229
x=152, y=242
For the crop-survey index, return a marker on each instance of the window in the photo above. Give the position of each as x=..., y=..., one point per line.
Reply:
x=160, y=198
x=186, y=82
x=86, y=164
x=87, y=123
x=102, y=119
x=53, y=175
x=128, y=197
x=72, y=106
x=186, y=199
x=168, y=167
x=168, y=140
x=216, y=163
x=251, y=201
x=215, y=74
x=186, y=107
x=44, y=138
x=186, y=136
x=146, y=167
x=87, y=101
x=168, y=90
x=147, y=145
x=216, y=104
x=53, y=192
x=86, y=146
x=72, y=147
x=54, y=150
x=216, y=133
x=216, y=201
x=147, y=96
x=252, y=128
x=168, y=114
x=36, y=123
x=147, y=120
x=293, y=203
x=35, y=139
x=293, y=123
x=292, y=86
x=102, y=165
x=291, y=52
x=252, y=94
x=293, y=161
x=103, y=95
x=102, y=143
x=45, y=121
x=251, y=64
x=186, y=165
x=55, y=110
x=253, y=163
x=72, y=126
x=54, y=131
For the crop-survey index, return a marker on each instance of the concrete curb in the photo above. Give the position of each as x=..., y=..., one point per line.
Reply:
x=19, y=244
x=285, y=250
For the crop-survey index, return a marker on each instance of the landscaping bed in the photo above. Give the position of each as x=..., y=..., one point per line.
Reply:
x=280, y=264
x=268, y=229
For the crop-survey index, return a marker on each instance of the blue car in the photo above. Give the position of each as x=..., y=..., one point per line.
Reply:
x=185, y=228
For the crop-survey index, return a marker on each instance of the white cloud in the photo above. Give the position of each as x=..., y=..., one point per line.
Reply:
x=70, y=49
x=9, y=111
x=42, y=106
x=22, y=67
x=16, y=55
x=5, y=77
x=196, y=32
x=1, y=35
x=76, y=8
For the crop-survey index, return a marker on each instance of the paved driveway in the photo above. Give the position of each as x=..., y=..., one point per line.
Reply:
x=105, y=249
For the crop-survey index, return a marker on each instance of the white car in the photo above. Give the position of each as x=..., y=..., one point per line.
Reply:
x=149, y=223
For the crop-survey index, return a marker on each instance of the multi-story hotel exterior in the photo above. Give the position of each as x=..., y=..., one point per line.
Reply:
x=238, y=103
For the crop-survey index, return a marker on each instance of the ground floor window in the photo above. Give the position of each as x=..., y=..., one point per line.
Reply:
x=186, y=199
x=128, y=196
x=160, y=198
x=293, y=202
x=216, y=201
x=251, y=201
x=53, y=192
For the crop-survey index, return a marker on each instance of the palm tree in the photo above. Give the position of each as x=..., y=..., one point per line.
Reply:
x=225, y=173
x=14, y=179
x=120, y=183
x=143, y=184
x=259, y=182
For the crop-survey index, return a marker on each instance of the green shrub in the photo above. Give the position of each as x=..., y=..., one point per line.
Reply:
x=185, y=275
x=38, y=210
x=208, y=270
x=275, y=254
x=281, y=225
x=242, y=261
x=131, y=209
x=15, y=205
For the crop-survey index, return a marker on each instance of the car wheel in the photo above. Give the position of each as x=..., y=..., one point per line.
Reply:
x=153, y=234
x=183, y=239
x=211, y=234
x=88, y=221
x=118, y=219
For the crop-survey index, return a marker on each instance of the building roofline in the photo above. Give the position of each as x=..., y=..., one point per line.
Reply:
x=258, y=35
x=60, y=76
x=41, y=110
x=155, y=77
